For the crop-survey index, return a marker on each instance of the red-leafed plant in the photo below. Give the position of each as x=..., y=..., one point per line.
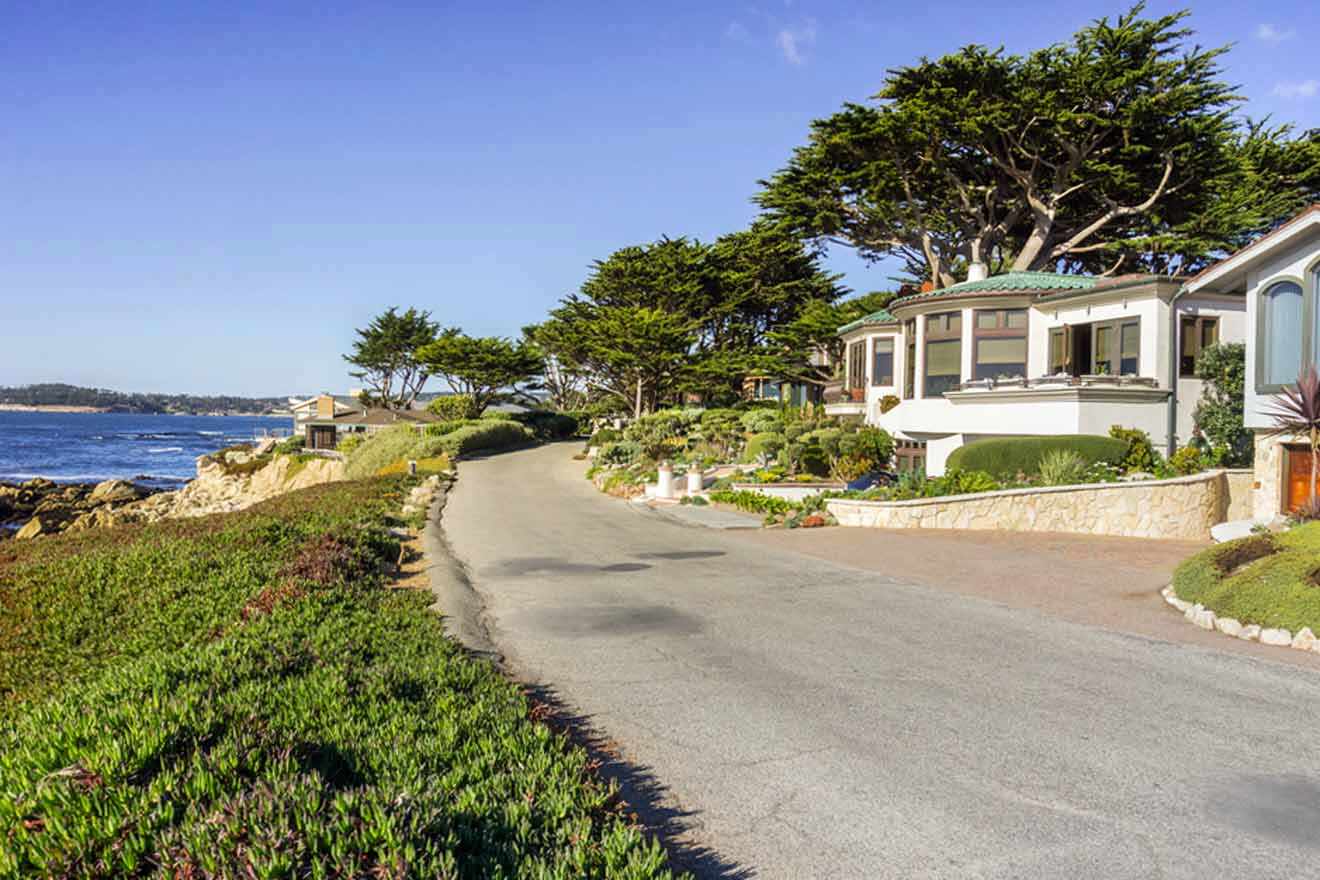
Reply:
x=1296, y=411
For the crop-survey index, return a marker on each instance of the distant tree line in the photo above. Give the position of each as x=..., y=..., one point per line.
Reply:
x=59, y=394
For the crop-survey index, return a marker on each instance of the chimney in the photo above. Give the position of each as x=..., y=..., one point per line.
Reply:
x=976, y=271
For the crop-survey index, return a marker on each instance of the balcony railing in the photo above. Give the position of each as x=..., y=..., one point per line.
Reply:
x=1061, y=381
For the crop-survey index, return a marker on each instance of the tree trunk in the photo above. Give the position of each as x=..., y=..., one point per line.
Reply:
x=637, y=402
x=1315, y=462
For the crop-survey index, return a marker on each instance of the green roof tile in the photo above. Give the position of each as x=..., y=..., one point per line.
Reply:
x=1007, y=283
x=877, y=317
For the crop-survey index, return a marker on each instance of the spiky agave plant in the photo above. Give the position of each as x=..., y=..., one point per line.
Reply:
x=1296, y=411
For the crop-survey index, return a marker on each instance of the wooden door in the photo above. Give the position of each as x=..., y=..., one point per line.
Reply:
x=1299, y=477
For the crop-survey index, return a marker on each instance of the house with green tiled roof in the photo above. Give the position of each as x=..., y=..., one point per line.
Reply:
x=1030, y=353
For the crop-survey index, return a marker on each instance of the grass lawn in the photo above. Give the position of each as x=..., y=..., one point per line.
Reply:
x=1270, y=580
x=240, y=696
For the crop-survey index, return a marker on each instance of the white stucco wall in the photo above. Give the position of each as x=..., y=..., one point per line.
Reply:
x=1295, y=261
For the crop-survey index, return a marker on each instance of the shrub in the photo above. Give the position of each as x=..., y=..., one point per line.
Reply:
x=620, y=454
x=439, y=429
x=382, y=448
x=753, y=502
x=1062, y=467
x=762, y=420
x=495, y=435
x=349, y=443
x=869, y=444
x=1188, y=460
x=721, y=430
x=498, y=415
x=1140, y=455
x=662, y=433
x=290, y=445
x=453, y=406
x=1006, y=457
x=888, y=402
x=605, y=436
x=547, y=425
x=763, y=447
x=1218, y=413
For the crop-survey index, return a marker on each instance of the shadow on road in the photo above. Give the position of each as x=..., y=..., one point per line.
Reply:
x=643, y=795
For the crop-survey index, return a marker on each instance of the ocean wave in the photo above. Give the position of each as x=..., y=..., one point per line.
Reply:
x=211, y=433
x=163, y=449
x=19, y=477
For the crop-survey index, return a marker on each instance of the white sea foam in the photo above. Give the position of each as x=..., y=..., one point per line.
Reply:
x=163, y=449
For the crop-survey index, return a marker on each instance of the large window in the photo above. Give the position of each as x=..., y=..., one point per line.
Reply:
x=909, y=358
x=857, y=365
x=1060, y=351
x=882, y=361
x=1117, y=347
x=943, y=353
x=1196, y=335
x=1281, y=334
x=1000, y=344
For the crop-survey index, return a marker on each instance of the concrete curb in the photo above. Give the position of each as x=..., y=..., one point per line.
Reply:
x=1199, y=615
x=457, y=601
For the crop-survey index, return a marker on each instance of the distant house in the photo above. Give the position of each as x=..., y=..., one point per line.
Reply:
x=1279, y=275
x=1028, y=353
x=786, y=391
x=323, y=421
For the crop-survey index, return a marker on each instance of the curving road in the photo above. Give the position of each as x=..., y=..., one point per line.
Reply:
x=797, y=718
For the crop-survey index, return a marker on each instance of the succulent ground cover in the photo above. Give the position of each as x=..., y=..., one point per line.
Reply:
x=1272, y=580
x=244, y=695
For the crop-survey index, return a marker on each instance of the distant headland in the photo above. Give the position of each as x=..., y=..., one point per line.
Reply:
x=61, y=398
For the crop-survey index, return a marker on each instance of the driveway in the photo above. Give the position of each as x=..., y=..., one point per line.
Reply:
x=802, y=717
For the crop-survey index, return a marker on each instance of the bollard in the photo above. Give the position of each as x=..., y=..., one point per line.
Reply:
x=694, y=481
x=412, y=468
x=665, y=481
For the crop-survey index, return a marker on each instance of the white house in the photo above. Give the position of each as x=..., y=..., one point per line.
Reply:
x=1279, y=275
x=1029, y=353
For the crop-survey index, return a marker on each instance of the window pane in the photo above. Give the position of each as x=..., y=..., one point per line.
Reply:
x=1282, y=333
x=943, y=367
x=1209, y=332
x=987, y=320
x=1017, y=319
x=1103, y=349
x=955, y=322
x=1057, y=354
x=885, y=344
x=883, y=373
x=1188, y=347
x=1001, y=351
x=1130, y=348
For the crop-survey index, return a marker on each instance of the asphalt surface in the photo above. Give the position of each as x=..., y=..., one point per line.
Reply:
x=775, y=715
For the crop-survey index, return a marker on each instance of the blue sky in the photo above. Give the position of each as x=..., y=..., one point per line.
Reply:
x=209, y=197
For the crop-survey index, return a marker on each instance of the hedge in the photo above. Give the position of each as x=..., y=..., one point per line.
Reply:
x=1005, y=457
x=492, y=435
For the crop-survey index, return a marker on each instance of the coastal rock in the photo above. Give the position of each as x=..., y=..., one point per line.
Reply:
x=114, y=492
x=33, y=528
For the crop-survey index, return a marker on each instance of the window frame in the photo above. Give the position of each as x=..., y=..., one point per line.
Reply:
x=1001, y=330
x=943, y=335
x=910, y=359
x=1308, y=321
x=876, y=341
x=856, y=357
x=1198, y=324
x=1116, y=354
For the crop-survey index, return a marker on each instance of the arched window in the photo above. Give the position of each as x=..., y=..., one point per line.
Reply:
x=1281, y=333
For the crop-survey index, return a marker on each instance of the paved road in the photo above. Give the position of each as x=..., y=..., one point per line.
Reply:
x=807, y=719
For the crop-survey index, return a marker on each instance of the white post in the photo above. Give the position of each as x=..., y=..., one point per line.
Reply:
x=665, y=481
x=694, y=481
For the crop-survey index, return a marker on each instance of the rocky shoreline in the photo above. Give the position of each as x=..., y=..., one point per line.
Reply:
x=228, y=480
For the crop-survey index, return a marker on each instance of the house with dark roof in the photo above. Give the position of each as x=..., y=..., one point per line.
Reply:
x=1278, y=275
x=1030, y=353
x=330, y=419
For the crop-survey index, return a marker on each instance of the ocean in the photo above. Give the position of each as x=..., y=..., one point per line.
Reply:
x=157, y=451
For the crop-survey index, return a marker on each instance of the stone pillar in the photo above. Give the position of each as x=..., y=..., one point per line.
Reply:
x=665, y=481
x=694, y=481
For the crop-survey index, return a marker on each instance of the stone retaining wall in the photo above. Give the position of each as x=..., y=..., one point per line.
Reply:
x=1184, y=507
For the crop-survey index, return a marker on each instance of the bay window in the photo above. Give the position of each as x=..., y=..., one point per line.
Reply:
x=943, y=353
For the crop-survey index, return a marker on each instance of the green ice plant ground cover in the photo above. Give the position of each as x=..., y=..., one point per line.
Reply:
x=241, y=696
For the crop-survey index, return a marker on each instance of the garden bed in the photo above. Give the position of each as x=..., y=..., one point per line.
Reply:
x=1270, y=580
